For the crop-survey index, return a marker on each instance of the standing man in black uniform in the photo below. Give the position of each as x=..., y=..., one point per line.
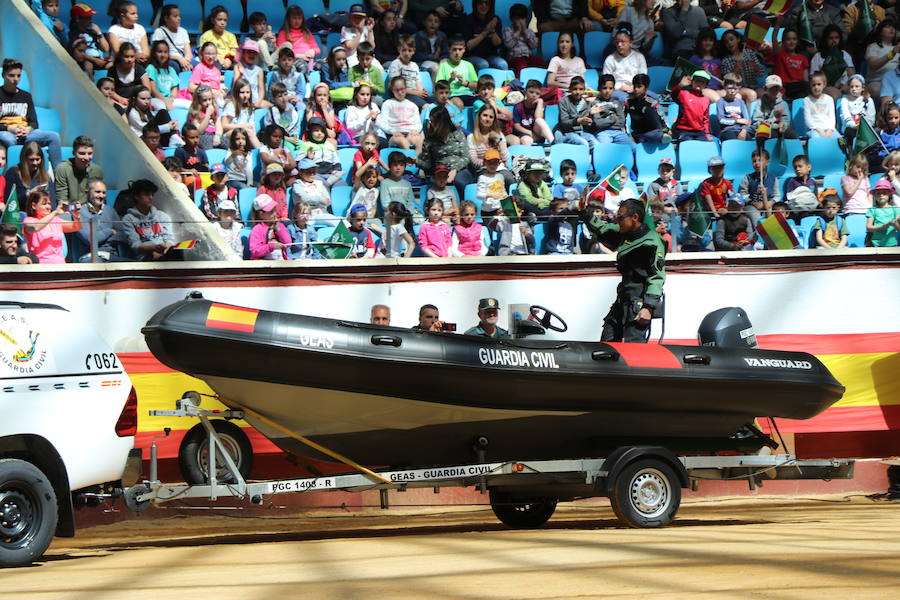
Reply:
x=641, y=259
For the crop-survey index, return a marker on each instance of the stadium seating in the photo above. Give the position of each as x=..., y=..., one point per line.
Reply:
x=216, y=155
x=336, y=6
x=501, y=9
x=856, y=228
x=692, y=159
x=577, y=153
x=607, y=160
x=647, y=158
x=595, y=45
x=825, y=155
x=192, y=16
x=792, y=148
x=245, y=201
x=529, y=73
x=145, y=12
x=500, y=76
x=797, y=117
x=341, y=197
x=737, y=156
x=659, y=78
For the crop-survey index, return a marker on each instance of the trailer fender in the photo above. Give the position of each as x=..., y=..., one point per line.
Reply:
x=624, y=455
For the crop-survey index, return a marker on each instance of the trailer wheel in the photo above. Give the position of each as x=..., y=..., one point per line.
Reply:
x=646, y=493
x=520, y=512
x=27, y=512
x=193, y=455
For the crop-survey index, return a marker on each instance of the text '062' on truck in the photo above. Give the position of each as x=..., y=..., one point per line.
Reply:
x=69, y=416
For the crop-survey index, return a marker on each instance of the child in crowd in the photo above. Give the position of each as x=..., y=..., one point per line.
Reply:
x=664, y=188
x=589, y=241
x=789, y=64
x=207, y=74
x=662, y=229
x=205, y=115
x=399, y=120
x=737, y=58
x=735, y=230
x=855, y=106
x=238, y=114
x=801, y=178
x=520, y=41
x=706, y=58
x=485, y=88
x=366, y=71
x=77, y=50
x=176, y=171
x=44, y=227
x=562, y=224
x=336, y=73
x=303, y=235
x=772, y=110
x=83, y=27
x=361, y=116
x=150, y=137
x=460, y=74
x=491, y=184
x=882, y=220
x=323, y=151
x=237, y=163
x=320, y=106
x=434, y=234
x=127, y=29
x=431, y=44
x=468, y=238
x=283, y=114
x=442, y=100
x=855, y=186
x=359, y=31
x=261, y=33
x=269, y=238
x=760, y=192
x=215, y=31
x=567, y=190
x=163, y=77
x=296, y=35
x=396, y=189
x=533, y=194
x=566, y=64
x=310, y=190
x=647, y=121
x=609, y=119
x=831, y=228
x=224, y=223
x=441, y=190
x=888, y=131
x=514, y=238
x=247, y=68
x=693, y=114
x=623, y=64
x=273, y=186
x=107, y=88
x=292, y=79
x=140, y=113
x=734, y=118
x=528, y=117
x=127, y=74
x=818, y=109
x=832, y=60
x=217, y=192
x=387, y=37
x=576, y=116
x=175, y=36
x=891, y=166
x=148, y=229
x=367, y=156
x=715, y=189
x=363, y=239
x=366, y=189
x=404, y=67
x=274, y=150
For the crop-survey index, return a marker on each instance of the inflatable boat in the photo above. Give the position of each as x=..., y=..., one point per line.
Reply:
x=400, y=397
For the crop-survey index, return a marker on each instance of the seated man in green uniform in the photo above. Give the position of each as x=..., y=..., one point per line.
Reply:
x=641, y=259
x=488, y=314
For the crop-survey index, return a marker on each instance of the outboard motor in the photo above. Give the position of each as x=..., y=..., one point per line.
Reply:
x=727, y=328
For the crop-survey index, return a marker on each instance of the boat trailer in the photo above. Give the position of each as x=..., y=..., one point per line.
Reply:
x=643, y=483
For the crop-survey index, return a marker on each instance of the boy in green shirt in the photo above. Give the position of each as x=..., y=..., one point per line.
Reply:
x=364, y=71
x=460, y=73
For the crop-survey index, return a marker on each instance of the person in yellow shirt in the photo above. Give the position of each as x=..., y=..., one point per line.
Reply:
x=602, y=15
x=226, y=43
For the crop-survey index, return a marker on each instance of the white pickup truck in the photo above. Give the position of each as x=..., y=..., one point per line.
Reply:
x=68, y=416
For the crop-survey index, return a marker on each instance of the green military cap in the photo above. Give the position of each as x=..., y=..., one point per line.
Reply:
x=488, y=303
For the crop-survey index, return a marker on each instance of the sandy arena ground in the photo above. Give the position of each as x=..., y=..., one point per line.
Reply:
x=735, y=549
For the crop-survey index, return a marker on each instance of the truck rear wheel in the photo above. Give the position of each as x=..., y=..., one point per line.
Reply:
x=193, y=455
x=646, y=493
x=27, y=513
x=520, y=512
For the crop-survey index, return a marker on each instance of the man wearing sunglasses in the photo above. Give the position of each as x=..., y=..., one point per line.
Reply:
x=640, y=259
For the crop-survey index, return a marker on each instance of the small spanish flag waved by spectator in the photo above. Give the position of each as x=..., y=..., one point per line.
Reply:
x=764, y=131
x=777, y=6
x=776, y=233
x=185, y=245
x=756, y=32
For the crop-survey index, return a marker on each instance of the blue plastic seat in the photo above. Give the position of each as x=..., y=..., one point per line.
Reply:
x=67, y=152
x=591, y=79
x=427, y=83
x=184, y=80
x=658, y=48
x=659, y=78
x=345, y=155
x=797, y=117
x=833, y=180
x=24, y=83
x=737, y=156
x=532, y=151
x=825, y=156
x=386, y=152
x=145, y=13
x=595, y=44
x=111, y=196
x=529, y=73
x=198, y=197
x=216, y=155
x=551, y=115
x=692, y=158
x=49, y=119
x=235, y=10
x=609, y=156
x=548, y=45
x=577, y=153
x=192, y=15
x=647, y=158
x=341, y=196
x=672, y=114
x=856, y=228
x=469, y=192
x=792, y=147
x=540, y=233
x=500, y=76
x=100, y=74
x=180, y=115
x=336, y=6
x=245, y=202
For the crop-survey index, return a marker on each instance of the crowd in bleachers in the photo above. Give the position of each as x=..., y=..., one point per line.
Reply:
x=424, y=124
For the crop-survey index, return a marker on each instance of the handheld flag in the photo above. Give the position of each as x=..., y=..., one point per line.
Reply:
x=763, y=131
x=777, y=6
x=683, y=68
x=339, y=244
x=510, y=209
x=865, y=21
x=698, y=220
x=804, y=27
x=865, y=137
x=776, y=233
x=11, y=214
x=779, y=153
x=185, y=245
x=756, y=32
x=615, y=181
x=834, y=66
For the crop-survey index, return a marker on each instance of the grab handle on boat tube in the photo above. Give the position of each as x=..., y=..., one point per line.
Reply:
x=387, y=340
x=696, y=359
x=605, y=355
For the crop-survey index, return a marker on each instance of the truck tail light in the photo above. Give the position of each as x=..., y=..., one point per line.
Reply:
x=126, y=426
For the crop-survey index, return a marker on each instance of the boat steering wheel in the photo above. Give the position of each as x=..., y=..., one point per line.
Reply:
x=547, y=319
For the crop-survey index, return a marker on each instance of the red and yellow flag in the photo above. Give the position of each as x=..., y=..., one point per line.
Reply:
x=756, y=32
x=777, y=234
x=185, y=245
x=235, y=318
x=764, y=131
x=777, y=6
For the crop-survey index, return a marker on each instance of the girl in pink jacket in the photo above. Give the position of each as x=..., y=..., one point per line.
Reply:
x=434, y=234
x=269, y=237
x=467, y=235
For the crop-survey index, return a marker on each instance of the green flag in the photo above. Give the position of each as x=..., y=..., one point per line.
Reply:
x=615, y=181
x=683, y=68
x=865, y=20
x=11, y=215
x=779, y=153
x=834, y=66
x=698, y=220
x=865, y=137
x=339, y=244
x=804, y=28
x=510, y=209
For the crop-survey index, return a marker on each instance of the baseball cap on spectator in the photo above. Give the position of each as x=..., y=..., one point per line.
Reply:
x=357, y=10
x=883, y=184
x=773, y=81
x=700, y=74
x=316, y=121
x=715, y=161
x=226, y=205
x=441, y=169
x=667, y=163
x=81, y=10
x=274, y=168
x=492, y=154
x=306, y=163
x=264, y=202
x=217, y=168
x=737, y=199
x=250, y=45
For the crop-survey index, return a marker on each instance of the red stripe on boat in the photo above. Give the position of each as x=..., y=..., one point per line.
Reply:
x=647, y=355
